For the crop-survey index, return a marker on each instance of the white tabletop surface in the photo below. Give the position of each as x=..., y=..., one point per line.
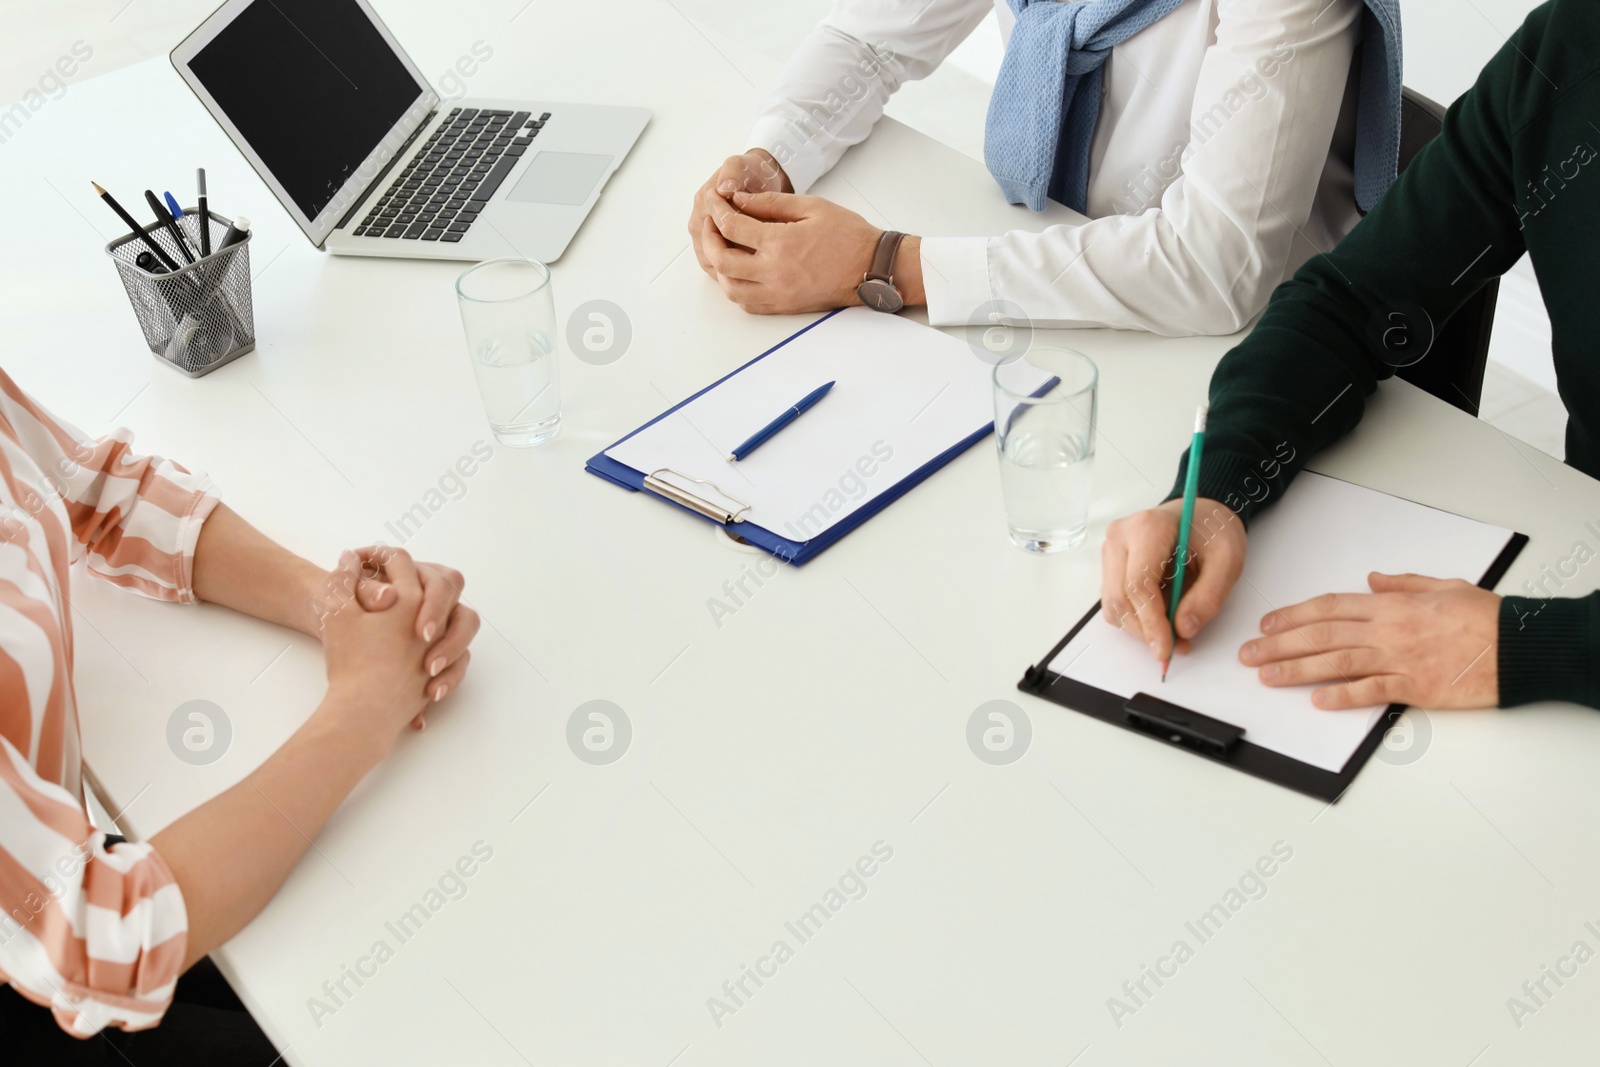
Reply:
x=829, y=713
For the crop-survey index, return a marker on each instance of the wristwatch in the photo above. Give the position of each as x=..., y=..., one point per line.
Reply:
x=877, y=289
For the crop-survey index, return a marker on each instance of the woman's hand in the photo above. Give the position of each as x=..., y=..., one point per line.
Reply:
x=375, y=658
x=447, y=624
x=442, y=620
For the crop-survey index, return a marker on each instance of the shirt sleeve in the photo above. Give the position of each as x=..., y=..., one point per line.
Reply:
x=137, y=518
x=1205, y=259
x=835, y=86
x=96, y=934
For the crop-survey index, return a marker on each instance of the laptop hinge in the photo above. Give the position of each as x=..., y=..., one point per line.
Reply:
x=384, y=173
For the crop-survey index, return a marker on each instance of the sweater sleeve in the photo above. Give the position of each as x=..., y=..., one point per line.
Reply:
x=1549, y=650
x=1353, y=316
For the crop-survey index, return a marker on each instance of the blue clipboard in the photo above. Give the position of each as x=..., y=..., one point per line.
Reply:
x=795, y=552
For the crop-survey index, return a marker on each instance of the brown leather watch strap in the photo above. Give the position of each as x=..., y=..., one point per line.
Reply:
x=883, y=259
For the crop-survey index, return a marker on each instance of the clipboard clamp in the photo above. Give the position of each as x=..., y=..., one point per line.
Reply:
x=1181, y=726
x=688, y=498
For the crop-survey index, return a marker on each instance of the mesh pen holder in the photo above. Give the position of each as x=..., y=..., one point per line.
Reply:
x=198, y=317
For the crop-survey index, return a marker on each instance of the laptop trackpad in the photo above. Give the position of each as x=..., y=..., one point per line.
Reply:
x=560, y=178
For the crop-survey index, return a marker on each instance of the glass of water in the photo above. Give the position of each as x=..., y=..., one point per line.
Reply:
x=1044, y=428
x=510, y=319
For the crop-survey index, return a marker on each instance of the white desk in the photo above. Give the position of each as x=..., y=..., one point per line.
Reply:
x=829, y=713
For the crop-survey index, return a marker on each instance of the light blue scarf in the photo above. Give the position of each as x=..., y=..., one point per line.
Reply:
x=1047, y=98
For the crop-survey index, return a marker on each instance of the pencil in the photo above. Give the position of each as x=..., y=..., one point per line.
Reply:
x=1191, y=489
x=132, y=224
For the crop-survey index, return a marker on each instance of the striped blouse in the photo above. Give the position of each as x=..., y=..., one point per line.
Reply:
x=97, y=934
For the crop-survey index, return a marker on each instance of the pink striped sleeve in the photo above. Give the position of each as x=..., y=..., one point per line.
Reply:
x=137, y=517
x=98, y=935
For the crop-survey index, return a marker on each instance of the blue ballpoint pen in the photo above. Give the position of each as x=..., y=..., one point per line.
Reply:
x=165, y=219
x=766, y=433
x=177, y=213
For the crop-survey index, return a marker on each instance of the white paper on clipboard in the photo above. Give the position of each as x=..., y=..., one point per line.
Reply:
x=1325, y=536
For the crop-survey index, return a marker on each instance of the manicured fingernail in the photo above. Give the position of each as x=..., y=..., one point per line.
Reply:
x=435, y=667
x=727, y=185
x=1248, y=652
x=1188, y=624
x=1269, y=624
x=422, y=723
x=383, y=594
x=1270, y=672
x=427, y=631
x=1155, y=648
x=439, y=693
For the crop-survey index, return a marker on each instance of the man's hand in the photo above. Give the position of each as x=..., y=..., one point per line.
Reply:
x=1412, y=640
x=781, y=254
x=754, y=172
x=1136, y=567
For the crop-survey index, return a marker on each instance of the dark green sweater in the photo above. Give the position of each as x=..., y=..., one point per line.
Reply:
x=1517, y=169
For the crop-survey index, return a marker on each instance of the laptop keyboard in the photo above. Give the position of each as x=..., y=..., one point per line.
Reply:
x=444, y=187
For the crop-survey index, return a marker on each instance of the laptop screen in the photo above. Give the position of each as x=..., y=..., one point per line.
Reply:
x=312, y=86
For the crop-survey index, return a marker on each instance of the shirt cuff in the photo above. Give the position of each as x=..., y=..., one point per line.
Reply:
x=955, y=278
x=1546, y=650
x=798, y=155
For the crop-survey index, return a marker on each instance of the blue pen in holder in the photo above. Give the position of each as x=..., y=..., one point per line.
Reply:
x=199, y=317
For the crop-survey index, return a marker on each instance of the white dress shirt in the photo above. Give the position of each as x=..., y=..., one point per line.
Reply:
x=1223, y=159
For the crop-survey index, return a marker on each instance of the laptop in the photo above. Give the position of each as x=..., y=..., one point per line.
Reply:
x=370, y=161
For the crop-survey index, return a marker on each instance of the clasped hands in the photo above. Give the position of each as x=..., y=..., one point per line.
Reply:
x=776, y=253
x=1411, y=640
x=394, y=631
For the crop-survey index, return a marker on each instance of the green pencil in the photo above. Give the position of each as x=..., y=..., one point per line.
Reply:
x=1191, y=489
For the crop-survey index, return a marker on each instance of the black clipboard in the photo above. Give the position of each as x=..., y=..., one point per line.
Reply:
x=1214, y=739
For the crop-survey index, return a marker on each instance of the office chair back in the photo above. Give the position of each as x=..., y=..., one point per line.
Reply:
x=1453, y=368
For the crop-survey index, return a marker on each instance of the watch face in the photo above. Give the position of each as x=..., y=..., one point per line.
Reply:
x=879, y=295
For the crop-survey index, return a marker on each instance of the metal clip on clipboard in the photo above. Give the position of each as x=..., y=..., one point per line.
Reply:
x=688, y=498
x=1181, y=726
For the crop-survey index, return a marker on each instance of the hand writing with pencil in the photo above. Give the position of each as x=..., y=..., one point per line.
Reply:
x=1411, y=640
x=1137, y=564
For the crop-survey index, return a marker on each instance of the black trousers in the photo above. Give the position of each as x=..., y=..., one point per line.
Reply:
x=206, y=1025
